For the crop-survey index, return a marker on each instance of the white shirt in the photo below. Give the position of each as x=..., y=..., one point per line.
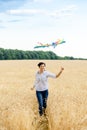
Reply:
x=41, y=81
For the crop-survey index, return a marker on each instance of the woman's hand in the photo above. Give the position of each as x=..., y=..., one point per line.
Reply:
x=62, y=68
x=32, y=88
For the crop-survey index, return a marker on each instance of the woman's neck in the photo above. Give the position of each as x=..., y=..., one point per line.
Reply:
x=41, y=71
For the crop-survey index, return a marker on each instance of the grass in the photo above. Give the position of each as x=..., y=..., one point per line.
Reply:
x=67, y=102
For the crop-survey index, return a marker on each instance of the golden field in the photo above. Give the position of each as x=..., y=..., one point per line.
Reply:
x=67, y=102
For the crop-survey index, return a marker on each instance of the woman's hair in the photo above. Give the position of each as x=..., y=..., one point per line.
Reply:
x=41, y=63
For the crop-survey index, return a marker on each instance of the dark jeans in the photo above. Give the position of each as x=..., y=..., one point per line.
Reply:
x=42, y=100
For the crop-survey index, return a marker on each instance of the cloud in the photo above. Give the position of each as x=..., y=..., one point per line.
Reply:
x=1, y=21
x=14, y=21
x=64, y=12
x=42, y=1
x=1, y=27
x=52, y=13
x=10, y=4
x=5, y=1
x=24, y=11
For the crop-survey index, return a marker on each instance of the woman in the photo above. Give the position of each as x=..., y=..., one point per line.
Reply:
x=41, y=86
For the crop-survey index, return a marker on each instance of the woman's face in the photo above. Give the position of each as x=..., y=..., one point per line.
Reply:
x=42, y=67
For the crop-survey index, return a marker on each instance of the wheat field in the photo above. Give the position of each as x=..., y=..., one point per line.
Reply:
x=67, y=102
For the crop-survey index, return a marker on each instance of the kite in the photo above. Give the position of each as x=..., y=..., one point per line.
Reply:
x=53, y=44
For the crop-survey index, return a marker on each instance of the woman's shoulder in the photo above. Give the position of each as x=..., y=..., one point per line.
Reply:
x=46, y=71
x=37, y=72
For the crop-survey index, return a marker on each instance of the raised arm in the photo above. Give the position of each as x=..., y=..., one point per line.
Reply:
x=61, y=70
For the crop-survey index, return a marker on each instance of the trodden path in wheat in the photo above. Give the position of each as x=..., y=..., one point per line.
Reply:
x=39, y=123
x=67, y=102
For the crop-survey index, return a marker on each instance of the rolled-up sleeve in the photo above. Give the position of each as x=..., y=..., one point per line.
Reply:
x=52, y=75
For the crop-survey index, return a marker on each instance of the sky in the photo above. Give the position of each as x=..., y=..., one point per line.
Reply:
x=23, y=23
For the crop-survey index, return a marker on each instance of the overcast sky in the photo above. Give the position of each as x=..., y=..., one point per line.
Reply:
x=23, y=23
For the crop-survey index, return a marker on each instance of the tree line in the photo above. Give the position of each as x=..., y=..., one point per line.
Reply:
x=15, y=54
